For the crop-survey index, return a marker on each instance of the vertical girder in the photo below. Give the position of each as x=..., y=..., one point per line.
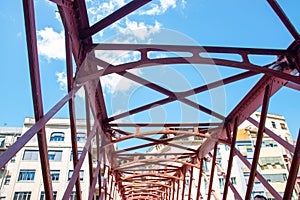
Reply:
x=135, y=179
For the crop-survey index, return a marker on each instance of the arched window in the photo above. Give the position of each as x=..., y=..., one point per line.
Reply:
x=57, y=136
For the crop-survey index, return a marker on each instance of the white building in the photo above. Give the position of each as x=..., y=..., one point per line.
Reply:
x=24, y=176
x=273, y=163
x=274, y=160
x=8, y=135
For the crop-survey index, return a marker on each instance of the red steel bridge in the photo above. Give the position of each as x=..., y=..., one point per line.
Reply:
x=167, y=182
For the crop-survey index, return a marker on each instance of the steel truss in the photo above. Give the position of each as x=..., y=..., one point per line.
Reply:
x=167, y=180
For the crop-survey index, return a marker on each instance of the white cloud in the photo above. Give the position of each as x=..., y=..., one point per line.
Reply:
x=139, y=29
x=161, y=8
x=51, y=44
x=114, y=83
x=62, y=80
x=98, y=10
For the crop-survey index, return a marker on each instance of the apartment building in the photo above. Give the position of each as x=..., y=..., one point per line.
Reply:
x=273, y=164
x=8, y=135
x=23, y=178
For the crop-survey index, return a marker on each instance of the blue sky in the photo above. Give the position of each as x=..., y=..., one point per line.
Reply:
x=217, y=23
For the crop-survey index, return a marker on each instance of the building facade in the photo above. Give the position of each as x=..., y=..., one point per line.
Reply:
x=23, y=179
x=8, y=136
x=273, y=163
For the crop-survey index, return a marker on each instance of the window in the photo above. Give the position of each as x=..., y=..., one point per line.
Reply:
x=43, y=196
x=7, y=180
x=219, y=152
x=205, y=166
x=187, y=179
x=273, y=124
x=206, y=187
x=54, y=155
x=79, y=154
x=249, y=150
x=31, y=155
x=22, y=195
x=219, y=161
x=275, y=177
x=54, y=175
x=26, y=175
x=227, y=148
x=80, y=137
x=283, y=127
x=71, y=173
x=57, y=136
x=221, y=184
x=284, y=177
x=2, y=140
x=233, y=180
x=73, y=196
x=13, y=159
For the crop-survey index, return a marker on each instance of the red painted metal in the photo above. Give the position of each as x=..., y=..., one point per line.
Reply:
x=293, y=173
x=28, y=6
x=115, y=16
x=274, y=136
x=183, y=182
x=77, y=168
x=184, y=94
x=108, y=183
x=88, y=132
x=173, y=189
x=235, y=192
x=132, y=180
x=284, y=19
x=195, y=59
x=111, y=186
x=259, y=139
x=178, y=188
x=199, y=179
x=202, y=124
x=266, y=184
x=212, y=172
x=293, y=86
x=191, y=181
x=70, y=84
x=230, y=160
x=64, y=3
x=19, y=144
x=93, y=185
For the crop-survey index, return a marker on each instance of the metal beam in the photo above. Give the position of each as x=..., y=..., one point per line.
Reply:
x=212, y=171
x=77, y=168
x=290, y=184
x=28, y=7
x=112, y=18
x=284, y=19
x=183, y=182
x=259, y=138
x=265, y=183
x=191, y=180
x=230, y=160
x=199, y=179
x=70, y=84
x=19, y=144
